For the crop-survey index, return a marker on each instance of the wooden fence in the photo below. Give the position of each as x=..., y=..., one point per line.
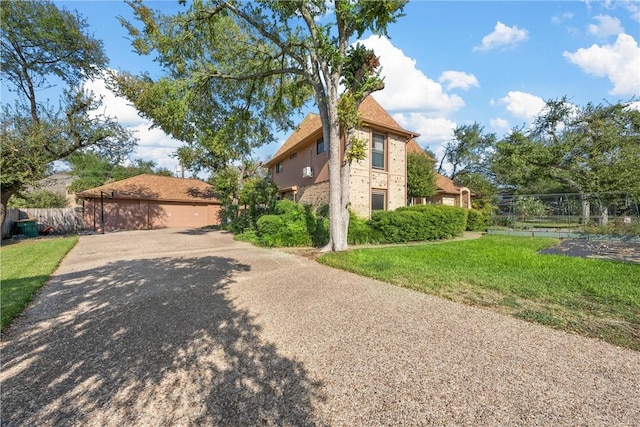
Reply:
x=63, y=221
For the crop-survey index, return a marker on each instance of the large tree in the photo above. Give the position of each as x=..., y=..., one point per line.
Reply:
x=42, y=47
x=468, y=152
x=236, y=71
x=592, y=150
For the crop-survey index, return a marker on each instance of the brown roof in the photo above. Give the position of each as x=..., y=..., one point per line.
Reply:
x=446, y=185
x=310, y=125
x=155, y=187
x=414, y=147
x=371, y=112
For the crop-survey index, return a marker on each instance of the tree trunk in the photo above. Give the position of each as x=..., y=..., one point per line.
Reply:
x=604, y=214
x=586, y=212
x=337, y=209
x=4, y=198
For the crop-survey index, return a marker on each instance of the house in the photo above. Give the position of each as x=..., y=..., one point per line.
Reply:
x=377, y=182
x=57, y=182
x=447, y=192
x=149, y=202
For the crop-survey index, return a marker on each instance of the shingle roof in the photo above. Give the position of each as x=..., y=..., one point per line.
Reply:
x=414, y=147
x=156, y=187
x=371, y=112
x=446, y=185
x=309, y=126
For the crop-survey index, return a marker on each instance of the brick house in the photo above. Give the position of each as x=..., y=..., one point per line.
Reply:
x=150, y=202
x=377, y=182
x=447, y=192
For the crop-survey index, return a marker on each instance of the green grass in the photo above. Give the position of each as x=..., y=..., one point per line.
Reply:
x=597, y=298
x=26, y=266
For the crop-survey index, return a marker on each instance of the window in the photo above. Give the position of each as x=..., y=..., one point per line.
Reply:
x=378, y=200
x=279, y=167
x=320, y=147
x=377, y=151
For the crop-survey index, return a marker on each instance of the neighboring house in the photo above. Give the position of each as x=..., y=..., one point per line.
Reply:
x=448, y=192
x=377, y=182
x=58, y=182
x=150, y=202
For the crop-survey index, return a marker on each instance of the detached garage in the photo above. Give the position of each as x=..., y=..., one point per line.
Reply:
x=150, y=202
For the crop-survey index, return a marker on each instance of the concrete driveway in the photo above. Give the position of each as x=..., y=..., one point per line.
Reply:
x=184, y=327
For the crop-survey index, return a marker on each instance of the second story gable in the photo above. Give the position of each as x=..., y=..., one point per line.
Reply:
x=302, y=159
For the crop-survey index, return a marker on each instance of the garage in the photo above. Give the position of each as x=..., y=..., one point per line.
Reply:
x=150, y=202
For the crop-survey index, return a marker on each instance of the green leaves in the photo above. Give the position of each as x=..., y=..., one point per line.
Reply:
x=420, y=176
x=39, y=40
x=590, y=149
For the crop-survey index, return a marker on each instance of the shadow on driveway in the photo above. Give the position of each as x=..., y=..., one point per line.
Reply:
x=153, y=341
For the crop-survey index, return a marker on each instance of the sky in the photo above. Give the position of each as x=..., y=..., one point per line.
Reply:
x=445, y=64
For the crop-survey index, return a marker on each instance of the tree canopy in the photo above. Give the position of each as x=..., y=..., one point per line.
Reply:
x=93, y=170
x=468, y=152
x=43, y=46
x=590, y=149
x=236, y=71
x=421, y=179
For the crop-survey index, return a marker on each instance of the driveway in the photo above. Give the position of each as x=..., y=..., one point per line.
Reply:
x=183, y=327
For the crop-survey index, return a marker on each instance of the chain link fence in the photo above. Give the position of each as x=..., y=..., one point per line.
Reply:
x=613, y=213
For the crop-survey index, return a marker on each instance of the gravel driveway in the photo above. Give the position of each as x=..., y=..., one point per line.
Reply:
x=179, y=327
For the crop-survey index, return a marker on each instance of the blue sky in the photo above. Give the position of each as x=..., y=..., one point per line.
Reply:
x=450, y=63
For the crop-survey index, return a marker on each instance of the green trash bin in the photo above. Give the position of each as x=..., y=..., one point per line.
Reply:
x=28, y=227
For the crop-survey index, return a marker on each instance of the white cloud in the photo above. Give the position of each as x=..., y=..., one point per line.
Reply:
x=606, y=26
x=635, y=105
x=434, y=132
x=632, y=6
x=406, y=87
x=112, y=105
x=523, y=105
x=458, y=79
x=499, y=124
x=558, y=19
x=619, y=62
x=153, y=144
x=503, y=37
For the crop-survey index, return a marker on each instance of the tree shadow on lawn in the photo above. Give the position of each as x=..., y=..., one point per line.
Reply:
x=153, y=341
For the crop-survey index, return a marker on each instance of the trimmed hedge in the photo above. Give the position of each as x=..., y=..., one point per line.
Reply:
x=416, y=223
x=477, y=221
x=294, y=224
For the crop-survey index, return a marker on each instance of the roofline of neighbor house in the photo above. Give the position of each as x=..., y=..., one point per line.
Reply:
x=126, y=197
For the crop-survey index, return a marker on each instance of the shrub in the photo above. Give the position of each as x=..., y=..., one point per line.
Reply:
x=415, y=223
x=321, y=232
x=359, y=231
x=291, y=225
x=477, y=221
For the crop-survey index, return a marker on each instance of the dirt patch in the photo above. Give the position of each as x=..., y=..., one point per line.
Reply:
x=617, y=251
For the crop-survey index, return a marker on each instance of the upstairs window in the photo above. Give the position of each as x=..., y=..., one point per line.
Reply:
x=320, y=147
x=279, y=167
x=377, y=151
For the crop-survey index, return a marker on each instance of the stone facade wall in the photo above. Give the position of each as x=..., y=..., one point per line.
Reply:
x=315, y=195
x=363, y=178
x=397, y=171
x=392, y=179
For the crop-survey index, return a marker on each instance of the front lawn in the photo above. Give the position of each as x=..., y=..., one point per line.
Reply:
x=26, y=266
x=597, y=298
